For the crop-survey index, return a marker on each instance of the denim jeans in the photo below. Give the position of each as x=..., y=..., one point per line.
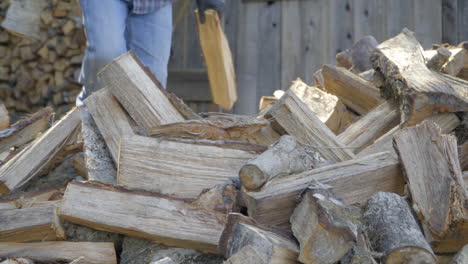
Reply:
x=111, y=30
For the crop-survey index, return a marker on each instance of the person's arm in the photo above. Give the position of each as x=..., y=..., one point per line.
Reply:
x=203, y=5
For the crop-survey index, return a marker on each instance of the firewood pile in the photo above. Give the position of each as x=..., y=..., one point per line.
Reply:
x=361, y=167
x=40, y=62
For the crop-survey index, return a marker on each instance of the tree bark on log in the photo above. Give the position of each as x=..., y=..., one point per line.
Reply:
x=285, y=157
x=357, y=58
x=393, y=230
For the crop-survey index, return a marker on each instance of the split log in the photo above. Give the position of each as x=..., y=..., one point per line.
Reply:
x=456, y=62
x=447, y=122
x=79, y=164
x=31, y=224
x=173, y=222
x=266, y=102
x=298, y=121
x=357, y=58
x=30, y=161
x=325, y=228
x=370, y=127
x=48, y=196
x=355, y=92
x=353, y=181
x=328, y=108
x=179, y=104
x=214, y=127
x=461, y=257
x=24, y=18
x=17, y=261
x=285, y=157
x=112, y=121
x=393, y=230
x=4, y=117
x=87, y=252
x=428, y=157
x=180, y=167
x=7, y=205
x=139, y=92
x=440, y=57
x=265, y=136
x=419, y=91
x=25, y=130
x=361, y=252
x=262, y=244
x=218, y=59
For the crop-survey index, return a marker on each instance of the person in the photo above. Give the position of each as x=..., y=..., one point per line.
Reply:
x=113, y=27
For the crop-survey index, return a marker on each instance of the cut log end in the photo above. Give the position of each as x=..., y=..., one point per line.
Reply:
x=252, y=177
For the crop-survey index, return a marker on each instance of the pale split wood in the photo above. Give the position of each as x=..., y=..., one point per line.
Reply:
x=325, y=228
x=328, y=108
x=113, y=122
x=36, y=156
x=182, y=168
x=371, y=126
x=353, y=181
x=265, y=136
x=218, y=59
x=4, y=117
x=23, y=18
x=298, y=121
x=136, y=88
x=89, y=252
x=355, y=92
x=30, y=224
x=25, y=129
x=447, y=123
x=172, y=222
x=267, y=244
x=394, y=231
x=418, y=91
x=427, y=157
x=79, y=164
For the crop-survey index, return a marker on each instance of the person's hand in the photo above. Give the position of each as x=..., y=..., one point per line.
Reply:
x=203, y=5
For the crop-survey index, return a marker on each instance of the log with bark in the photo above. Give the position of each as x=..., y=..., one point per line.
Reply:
x=393, y=230
x=32, y=159
x=419, y=91
x=285, y=157
x=52, y=252
x=355, y=92
x=357, y=58
x=428, y=157
x=30, y=224
x=173, y=222
x=139, y=92
x=325, y=228
x=294, y=117
x=180, y=167
x=353, y=181
x=243, y=240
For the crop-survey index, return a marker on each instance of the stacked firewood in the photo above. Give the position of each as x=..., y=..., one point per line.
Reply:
x=331, y=173
x=40, y=54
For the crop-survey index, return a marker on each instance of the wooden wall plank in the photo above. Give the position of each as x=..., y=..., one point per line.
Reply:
x=462, y=18
x=369, y=17
x=449, y=21
x=428, y=21
x=399, y=15
x=290, y=42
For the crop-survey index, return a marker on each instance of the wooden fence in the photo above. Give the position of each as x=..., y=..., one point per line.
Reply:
x=275, y=42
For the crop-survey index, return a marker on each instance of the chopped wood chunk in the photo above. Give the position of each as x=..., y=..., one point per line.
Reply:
x=325, y=227
x=298, y=121
x=419, y=91
x=163, y=220
x=180, y=167
x=357, y=58
x=428, y=157
x=31, y=160
x=353, y=181
x=218, y=59
x=137, y=89
x=285, y=157
x=355, y=92
x=87, y=252
x=4, y=117
x=243, y=240
x=31, y=224
x=393, y=230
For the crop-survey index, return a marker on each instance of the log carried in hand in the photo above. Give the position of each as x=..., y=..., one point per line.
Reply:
x=427, y=157
x=243, y=240
x=325, y=227
x=393, y=230
x=297, y=120
x=285, y=157
x=419, y=91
